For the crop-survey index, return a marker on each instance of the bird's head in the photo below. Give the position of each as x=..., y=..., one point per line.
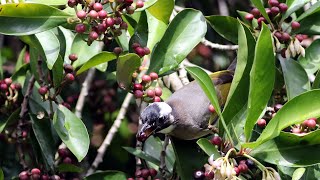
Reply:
x=156, y=117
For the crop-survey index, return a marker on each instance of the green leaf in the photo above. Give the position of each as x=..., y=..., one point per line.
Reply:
x=162, y=10
x=184, y=32
x=72, y=131
x=126, y=65
x=262, y=77
x=298, y=173
x=316, y=82
x=123, y=41
x=20, y=75
x=100, y=59
x=83, y=51
x=107, y=175
x=34, y=57
x=294, y=111
x=69, y=168
x=310, y=25
x=311, y=61
x=12, y=119
x=142, y=155
x=1, y=174
x=29, y=18
x=147, y=4
x=20, y=61
x=208, y=148
x=258, y=4
x=57, y=72
x=313, y=9
x=141, y=32
x=295, y=77
x=41, y=129
x=225, y=26
x=66, y=43
x=293, y=5
x=48, y=2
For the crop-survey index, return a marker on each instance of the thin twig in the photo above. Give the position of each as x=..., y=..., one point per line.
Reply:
x=187, y=63
x=114, y=128
x=223, y=8
x=183, y=74
x=219, y=46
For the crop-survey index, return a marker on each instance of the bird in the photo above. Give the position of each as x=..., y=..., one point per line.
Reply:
x=185, y=114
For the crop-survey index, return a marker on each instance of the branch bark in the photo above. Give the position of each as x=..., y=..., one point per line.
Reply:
x=219, y=46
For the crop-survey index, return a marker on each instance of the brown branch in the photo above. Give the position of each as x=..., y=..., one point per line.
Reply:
x=219, y=46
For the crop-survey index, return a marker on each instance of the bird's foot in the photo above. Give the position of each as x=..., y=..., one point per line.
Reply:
x=213, y=128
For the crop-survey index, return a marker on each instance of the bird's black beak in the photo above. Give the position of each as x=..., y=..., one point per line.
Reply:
x=145, y=131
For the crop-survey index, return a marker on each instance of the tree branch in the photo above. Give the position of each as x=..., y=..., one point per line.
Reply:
x=219, y=46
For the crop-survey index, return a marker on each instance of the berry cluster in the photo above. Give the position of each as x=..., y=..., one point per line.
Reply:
x=269, y=114
x=103, y=25
x=287, y=43
x=140, y=51
x=8, y=92
x=143, y=90
x=145, y=174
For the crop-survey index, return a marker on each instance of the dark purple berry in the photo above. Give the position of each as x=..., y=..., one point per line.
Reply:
x=216, y=140
x=117, y=51
x=273, y=2
x=283, y=7
x=249, y=17
x=295, y=25
x=262, y=123
x=97, y=6
x=43, y=90
x=80, y=28
x=73, y=57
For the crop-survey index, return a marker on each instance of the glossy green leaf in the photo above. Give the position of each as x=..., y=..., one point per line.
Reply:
x=48, y=2
x=208, y=148
x=72, y=131
x=83, y=51
x=293, y=5
x=184, y=32
x=162, y=10
x=225, y=26
x=316, y=82
x=311, y=61
x=262, y=77
x=294, y=111
x=41, y=129
x=142, y=155
x=310, y=25
x=313, y=9
x=107, y=175
x=98, y=60
x=239, y=89
x=57, y=72
x=126, y=65
x=123, y=40
x=20, y=60
x=67, y=39
x=20, y=75
x=295, y=77
x=140, y=33
x=14, y=117
x=258, y=4
x=69, y=168
x=1, y=174
x=147, y=4
x=298, y=173
x=34, y=57
x=29, y=18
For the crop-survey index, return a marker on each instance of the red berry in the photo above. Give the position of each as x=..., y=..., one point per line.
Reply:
x=45, y=177
x=268, y=11
x=129, y=1
x=158, y=91
x=135, y=45
x=68, y=68
x=295, y=25
x=73, y=57
x=69, y=77
x=67, y=160
x=273, y=2
x=283, y=52
x=35, y=171
x=311, y=123
x=156, y=99
x=3, y=87
x=145, y=173
x=138, y=93
x=277, y=107
x=24, y=175
x=283, y=7
x=300, y=37
x=262, y=123
x=275, y=11
x=97, y=6
x=139, y=4
x=101, y=28
x=109, y=22
x=150, y=93
x=8, y=81
x=255, y=12
x=154, y=75
x=80, y=28
x=130, y=179
x=72, y=3
x=211, y=108
x=81, y=14
x=146, y=79
x=137, y=86
x=43, y=90
x=243, y=168
x=153, y=172
x=249, y=17
x=260, y=20
x=24, y=134
x=285, y=37
x=124, y=25
x=102, y=14
x=130, y=9
x=216, y=140
x=93, y=14
x=146, y=50
x=117, y=20
x=278, y=35
x=63, y=153
x=93, y=35
x=140, y=51
x=117, y=50
x=236, y=169
x=138, y=173
x=209, y=175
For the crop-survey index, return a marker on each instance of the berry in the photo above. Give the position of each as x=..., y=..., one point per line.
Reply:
x=153, y=172
x=311, y=123
x=130, y=9
x=154, y=76
x=109, y=22
x=250, y=163
x=138, y=173
x=43, y=90
x=81, y=14
x=277, y=107
x=249, y=17
x=45, y=177
x=137, y=86
x=285, y=37
x=140, y=51
x=145, y=173
x=142, y=137
x=295, y=25
x=237, y=170
x=146, y=50
x=156, y=99
x=63, y=153
x=135, y=45
x=198, y=175
x=296, y=130
x=93, y=35
x=268, y=11
x=24, y=134
x=146, y=79
x=262, y=123
x=68, y=68
x=102, y=14
x=158, y=91
x=211, y=108
x=275, y=11
x=139, y=4
x=129, y=1
x=97, y=6
x=255, y=12
x=278, y=35
x=93, y=14
x=216, y=140
x=273, y=2
x=260, y=20
x=117, y=50
x=209, y=175
x=130, y=179
x=117, y=20
x=23, y=175
x=283, y=7
x=101, y=28
x=80, y=28
x=8, y=81
x=283, y=52
x=72, y=3
x=243, y=168
x=35, y=171
x=124, y=26
x=150, y=93
x=67, y=160
x=69, y=77
x=138, y=93
x=73, y=57
x=300, y=37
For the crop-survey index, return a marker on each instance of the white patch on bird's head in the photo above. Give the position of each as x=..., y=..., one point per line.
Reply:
x=170, y=128
x=165, y=109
